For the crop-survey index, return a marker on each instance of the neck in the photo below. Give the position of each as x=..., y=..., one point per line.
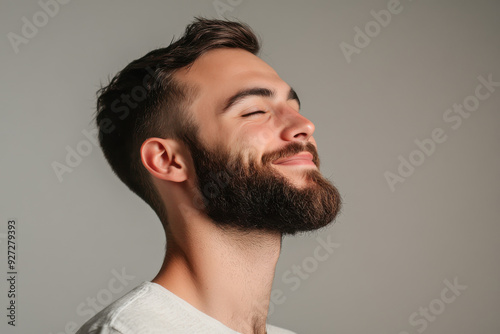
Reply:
x=228, y=275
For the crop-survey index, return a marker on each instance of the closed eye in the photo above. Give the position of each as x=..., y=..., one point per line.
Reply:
x=253, y=113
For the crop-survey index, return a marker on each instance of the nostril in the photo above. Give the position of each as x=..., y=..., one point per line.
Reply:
x=299, y=135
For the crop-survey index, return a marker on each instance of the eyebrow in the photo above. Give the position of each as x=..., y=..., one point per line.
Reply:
x=256, y=91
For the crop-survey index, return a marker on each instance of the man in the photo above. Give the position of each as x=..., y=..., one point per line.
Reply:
x=212, y=139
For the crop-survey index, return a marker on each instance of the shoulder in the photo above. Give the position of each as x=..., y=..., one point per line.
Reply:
x=150, y=308
x=142, y=306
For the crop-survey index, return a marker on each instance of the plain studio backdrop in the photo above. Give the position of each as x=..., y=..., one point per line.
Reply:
x=405, y=96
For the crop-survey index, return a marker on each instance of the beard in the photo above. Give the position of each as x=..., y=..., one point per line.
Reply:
x=257, y=196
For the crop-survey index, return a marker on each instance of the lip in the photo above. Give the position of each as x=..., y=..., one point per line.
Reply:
x=298, y=159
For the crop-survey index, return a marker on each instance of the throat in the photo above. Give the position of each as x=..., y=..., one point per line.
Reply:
x=227, y=276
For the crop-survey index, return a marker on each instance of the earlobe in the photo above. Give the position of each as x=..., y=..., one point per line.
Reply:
x=164, y=159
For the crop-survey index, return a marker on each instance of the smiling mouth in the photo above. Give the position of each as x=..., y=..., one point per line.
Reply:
x=304, y=158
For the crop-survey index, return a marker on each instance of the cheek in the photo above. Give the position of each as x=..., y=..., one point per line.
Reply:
x=256, y=135
x=263, y=138
x=251, y=143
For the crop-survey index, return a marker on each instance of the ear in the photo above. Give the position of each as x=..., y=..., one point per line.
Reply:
x=165, y=159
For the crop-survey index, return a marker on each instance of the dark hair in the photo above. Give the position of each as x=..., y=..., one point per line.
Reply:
x=144, y=100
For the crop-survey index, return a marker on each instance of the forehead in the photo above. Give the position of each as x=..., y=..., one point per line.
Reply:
x=225, y=63
x=220, y=73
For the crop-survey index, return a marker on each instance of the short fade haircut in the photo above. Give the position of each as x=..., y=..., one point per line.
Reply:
x=144, y=100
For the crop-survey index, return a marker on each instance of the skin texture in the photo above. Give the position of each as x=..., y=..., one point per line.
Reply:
x=227, y=270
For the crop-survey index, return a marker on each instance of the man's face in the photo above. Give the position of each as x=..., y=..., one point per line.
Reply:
x=254, y=142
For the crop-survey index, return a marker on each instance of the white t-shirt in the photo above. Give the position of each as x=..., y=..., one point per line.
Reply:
x=151, y=309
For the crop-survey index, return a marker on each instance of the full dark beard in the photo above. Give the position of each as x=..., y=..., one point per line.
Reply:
x=257, y=196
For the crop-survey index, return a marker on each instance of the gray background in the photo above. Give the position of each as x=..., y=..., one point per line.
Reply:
x=395, y=249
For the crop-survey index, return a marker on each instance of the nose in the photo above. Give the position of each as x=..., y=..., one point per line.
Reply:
x=297, y=127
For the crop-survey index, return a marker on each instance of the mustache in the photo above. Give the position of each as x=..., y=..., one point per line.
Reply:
x=290, y=150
